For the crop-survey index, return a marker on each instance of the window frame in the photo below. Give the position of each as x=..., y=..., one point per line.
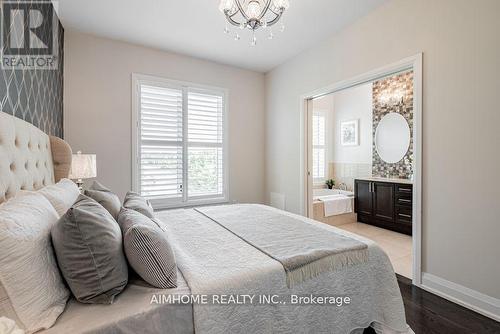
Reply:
x=185, y=200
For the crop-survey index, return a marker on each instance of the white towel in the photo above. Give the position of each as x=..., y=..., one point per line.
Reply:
x=8, y=326
x=336, y=204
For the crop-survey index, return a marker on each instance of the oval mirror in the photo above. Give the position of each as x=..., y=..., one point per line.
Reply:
x=392, y=137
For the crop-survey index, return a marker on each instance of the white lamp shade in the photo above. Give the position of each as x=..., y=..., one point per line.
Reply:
x=83, y=166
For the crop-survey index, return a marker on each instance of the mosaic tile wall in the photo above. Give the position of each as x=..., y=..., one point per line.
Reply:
x=395, y=85
x=36, y=96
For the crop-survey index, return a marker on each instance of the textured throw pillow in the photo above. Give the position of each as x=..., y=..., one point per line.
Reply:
x=148, y=250
x=61, y=195
x=32, y=291
x=105, y=197
x=138, y=203
x=88, y=245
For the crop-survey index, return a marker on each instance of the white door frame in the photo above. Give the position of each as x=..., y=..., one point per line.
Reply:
x=414, y=63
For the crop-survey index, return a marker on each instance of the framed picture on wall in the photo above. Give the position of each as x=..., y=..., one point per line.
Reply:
x=349, y=133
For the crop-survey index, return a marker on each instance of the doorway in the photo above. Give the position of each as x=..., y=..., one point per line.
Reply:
x=362, y=138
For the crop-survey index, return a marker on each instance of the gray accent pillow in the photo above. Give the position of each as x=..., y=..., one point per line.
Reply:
x=148, y=249
x=105, y=197
x=89, y=250
x=138, y=203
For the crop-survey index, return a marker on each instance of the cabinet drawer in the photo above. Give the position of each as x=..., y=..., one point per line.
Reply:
x=404, y=189
x=404, y=215
x=404, y=201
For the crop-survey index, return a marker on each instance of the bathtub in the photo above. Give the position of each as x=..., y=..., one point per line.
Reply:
x=318, y=208
x=326, y=192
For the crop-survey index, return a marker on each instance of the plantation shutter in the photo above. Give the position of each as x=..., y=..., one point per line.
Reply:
x=319, y=140
x=161, y=142
x=181, y=144
x=205, y=144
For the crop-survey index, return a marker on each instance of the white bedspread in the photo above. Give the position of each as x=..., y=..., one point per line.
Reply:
x=215, y=261
x=276, y=235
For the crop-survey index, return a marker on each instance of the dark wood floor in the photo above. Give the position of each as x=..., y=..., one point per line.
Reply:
x=429, y=314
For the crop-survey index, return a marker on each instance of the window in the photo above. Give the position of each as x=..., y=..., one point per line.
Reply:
x=179, y=143
x=319, y=147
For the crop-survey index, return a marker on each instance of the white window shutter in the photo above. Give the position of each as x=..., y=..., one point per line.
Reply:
x=181, y=144
x=161, y=142
x=319, y=145
x=205, y=144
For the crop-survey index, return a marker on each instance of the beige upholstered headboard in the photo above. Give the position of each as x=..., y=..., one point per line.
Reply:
x=29, y=158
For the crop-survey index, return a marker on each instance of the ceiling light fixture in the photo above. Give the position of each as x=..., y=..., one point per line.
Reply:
x=253, y=14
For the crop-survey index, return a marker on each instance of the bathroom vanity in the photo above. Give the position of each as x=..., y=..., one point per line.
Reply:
x=385, y=203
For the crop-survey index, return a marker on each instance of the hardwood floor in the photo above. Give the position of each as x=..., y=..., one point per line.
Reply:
x=429, y=314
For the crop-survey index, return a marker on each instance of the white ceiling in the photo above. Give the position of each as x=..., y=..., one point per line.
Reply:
x=195, y=27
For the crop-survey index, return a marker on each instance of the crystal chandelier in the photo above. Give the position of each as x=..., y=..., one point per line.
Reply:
x=253, y=14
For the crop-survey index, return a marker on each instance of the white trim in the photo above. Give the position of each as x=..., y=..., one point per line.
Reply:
x=306, y=188
x=471, y=299
x=414, y=63
x=417, y=167
x=135, y=131
x=137, y=80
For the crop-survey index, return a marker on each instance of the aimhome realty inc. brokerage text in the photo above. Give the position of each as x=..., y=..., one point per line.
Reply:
x=250, y=299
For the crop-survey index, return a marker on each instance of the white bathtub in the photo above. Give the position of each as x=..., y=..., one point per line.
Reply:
x=319, y=209
x=326, y=192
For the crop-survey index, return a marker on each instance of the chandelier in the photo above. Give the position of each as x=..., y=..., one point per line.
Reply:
x=252, y=15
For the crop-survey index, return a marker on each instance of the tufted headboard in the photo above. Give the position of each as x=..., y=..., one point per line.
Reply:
x=29, y=158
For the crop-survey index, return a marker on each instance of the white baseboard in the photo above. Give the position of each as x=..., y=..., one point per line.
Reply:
x=471, y=299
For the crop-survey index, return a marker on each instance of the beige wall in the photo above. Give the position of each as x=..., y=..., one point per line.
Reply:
x=460, y=40
x=97, y=108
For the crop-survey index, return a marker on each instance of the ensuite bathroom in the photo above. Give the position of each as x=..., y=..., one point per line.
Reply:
x=362, y=154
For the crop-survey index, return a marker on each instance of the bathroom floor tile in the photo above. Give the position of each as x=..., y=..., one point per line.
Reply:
x=403, y=266
x=401, y=241
x=397, y=246
x=393, y=252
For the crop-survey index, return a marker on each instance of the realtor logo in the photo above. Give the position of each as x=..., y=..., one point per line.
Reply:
x=29, y=35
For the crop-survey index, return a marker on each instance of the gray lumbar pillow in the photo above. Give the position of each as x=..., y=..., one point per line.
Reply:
x=89, y=250
x=105, y=197
x=148, y=249
x=138, y=203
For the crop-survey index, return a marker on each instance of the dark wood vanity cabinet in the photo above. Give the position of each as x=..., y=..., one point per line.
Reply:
x=384, y=204
x=363, y=198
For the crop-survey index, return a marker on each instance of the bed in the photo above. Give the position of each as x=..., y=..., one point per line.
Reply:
x=222, y=253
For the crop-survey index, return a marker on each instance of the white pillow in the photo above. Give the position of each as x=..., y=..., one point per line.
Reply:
x=32, y=286
x=8, y=326
x=61, y=195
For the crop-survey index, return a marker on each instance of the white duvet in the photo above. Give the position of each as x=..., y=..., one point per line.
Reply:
x=215, y=261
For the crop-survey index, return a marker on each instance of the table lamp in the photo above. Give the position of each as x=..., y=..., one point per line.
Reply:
x=83, y=166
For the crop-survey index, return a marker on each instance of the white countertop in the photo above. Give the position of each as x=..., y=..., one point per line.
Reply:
x=385, y=179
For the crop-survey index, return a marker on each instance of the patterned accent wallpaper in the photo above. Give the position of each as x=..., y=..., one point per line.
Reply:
x=400, y=85
x=35, y=95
